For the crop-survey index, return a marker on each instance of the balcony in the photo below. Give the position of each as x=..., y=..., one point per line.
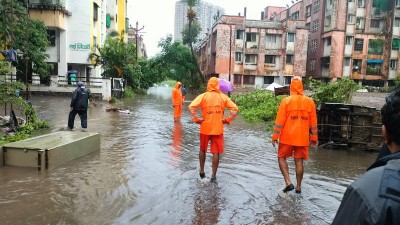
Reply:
x=53, y=15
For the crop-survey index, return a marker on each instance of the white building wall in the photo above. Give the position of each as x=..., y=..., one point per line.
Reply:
x=78, y=31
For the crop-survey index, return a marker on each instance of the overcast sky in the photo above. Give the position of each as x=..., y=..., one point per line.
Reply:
x=157, y=16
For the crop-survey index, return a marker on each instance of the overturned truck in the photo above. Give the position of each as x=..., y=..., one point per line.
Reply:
x=344, y=126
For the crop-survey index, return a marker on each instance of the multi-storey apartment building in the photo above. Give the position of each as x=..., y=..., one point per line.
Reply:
x=354, y=38
x=251, y=52
x=325, y=39
x=137, y=39
x=116, y=18
x=206, y=14
x=75, y=27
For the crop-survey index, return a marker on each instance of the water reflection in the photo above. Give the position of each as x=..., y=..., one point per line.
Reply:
x=176, y=143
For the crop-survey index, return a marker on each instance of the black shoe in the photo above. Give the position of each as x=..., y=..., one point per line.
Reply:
x=298, y=191
x=213, y=179
x=202, y=175
x=288, y=188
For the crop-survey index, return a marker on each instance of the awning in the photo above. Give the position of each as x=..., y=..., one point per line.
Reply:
x=376, y=61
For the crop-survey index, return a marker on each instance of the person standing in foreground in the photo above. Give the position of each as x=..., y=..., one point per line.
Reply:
x=374, y=198
x=79, y=105
x=212, y=104
x=295, y=119
x=177, y=101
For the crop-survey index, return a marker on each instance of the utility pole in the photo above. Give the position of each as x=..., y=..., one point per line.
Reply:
x=136, y=39
x=230, y=55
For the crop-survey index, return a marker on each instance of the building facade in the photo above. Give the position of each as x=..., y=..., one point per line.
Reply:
x=117, y=17
x=255, y=53
x=325, y=39
x=206, y=15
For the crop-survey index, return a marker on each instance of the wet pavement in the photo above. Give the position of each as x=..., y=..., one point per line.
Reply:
x=147, y=173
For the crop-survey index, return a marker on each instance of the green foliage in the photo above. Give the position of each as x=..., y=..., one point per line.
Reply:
x=176, y=63
x=7, y=92
x=340, y=91
x=193, y=35
x=311, y=84
x=128, y=93
x=5, y=68
x=375, y=46
x=28, y=36
x=258, y=106
x=397, y=81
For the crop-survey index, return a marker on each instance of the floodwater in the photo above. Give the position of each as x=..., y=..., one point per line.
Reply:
x=147, y=173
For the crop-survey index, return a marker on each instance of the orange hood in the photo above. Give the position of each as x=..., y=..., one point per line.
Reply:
x=296, y=87
x=213, y=85
x=178, y=85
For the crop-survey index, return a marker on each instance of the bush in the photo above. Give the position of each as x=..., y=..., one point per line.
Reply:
x=258, y=106
x=340, y=91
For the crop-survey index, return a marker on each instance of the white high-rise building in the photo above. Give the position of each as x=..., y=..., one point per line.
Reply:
x=206, y=14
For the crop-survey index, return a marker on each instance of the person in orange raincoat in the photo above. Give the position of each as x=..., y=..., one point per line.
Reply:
x=295, y=120
x=177, y=101
x=212, y=104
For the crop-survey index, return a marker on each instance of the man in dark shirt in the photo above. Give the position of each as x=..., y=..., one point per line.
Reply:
x=79, y=105
x=374, y=198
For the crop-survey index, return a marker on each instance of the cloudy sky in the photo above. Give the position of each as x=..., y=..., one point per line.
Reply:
x=157, y=16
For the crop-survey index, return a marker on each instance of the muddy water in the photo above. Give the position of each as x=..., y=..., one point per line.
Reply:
x=147, y=173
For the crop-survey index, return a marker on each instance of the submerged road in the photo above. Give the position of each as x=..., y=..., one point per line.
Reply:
x=147, y=173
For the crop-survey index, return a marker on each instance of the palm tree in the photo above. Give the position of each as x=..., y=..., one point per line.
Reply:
x=191, y=15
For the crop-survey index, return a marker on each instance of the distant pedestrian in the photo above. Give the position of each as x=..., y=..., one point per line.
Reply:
x=79, y=105
x=183, y=89
x=177, y=101
x=73, y=78
x=374, y=198
x=295, y=119
x=212, y=104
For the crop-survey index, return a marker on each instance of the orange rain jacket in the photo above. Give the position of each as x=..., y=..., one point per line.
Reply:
x=177, y=94
x=296, y=118
x=212, y=104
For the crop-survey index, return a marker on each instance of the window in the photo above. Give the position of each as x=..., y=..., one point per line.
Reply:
x=270, y=59
x=358, y=46
x=314, y=45
x=268, y=79
x=374, y=3
x=349, y=40
x=51, y=37
x=250, y=59
x=296, y=15
x=393, y=64
x=271, y=38
x=315, y=25
x=291, y=37
x=397, y=3
x=375, y=23
x=95, y=11
x=351, y=0
x=248, y=79
x=360, y=4
x=360, y=22
x=350, y=18
x=94, y=42
x=54, y=70
x=327, y=22
x=239, y=34
x=251, y=37
x=395, y=44
x=308, y=11
x=289, y=59
x=238, y=56
x=347, y=61
x=316, y=6
x=308, y=26
x=311, y=66
x=397, y=21
x=328, y=41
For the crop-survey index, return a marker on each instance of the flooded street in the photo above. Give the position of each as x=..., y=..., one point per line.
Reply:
x=147, y=173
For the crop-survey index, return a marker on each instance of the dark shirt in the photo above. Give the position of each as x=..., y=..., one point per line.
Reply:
x=374, y=198
x=80, y=98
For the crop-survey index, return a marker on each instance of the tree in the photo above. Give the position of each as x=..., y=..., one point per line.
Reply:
x=176, y=63
x=191, y=35
x=191, y=15
x=26, y=35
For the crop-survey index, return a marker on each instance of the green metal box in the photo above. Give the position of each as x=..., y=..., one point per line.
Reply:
x=46, y=151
